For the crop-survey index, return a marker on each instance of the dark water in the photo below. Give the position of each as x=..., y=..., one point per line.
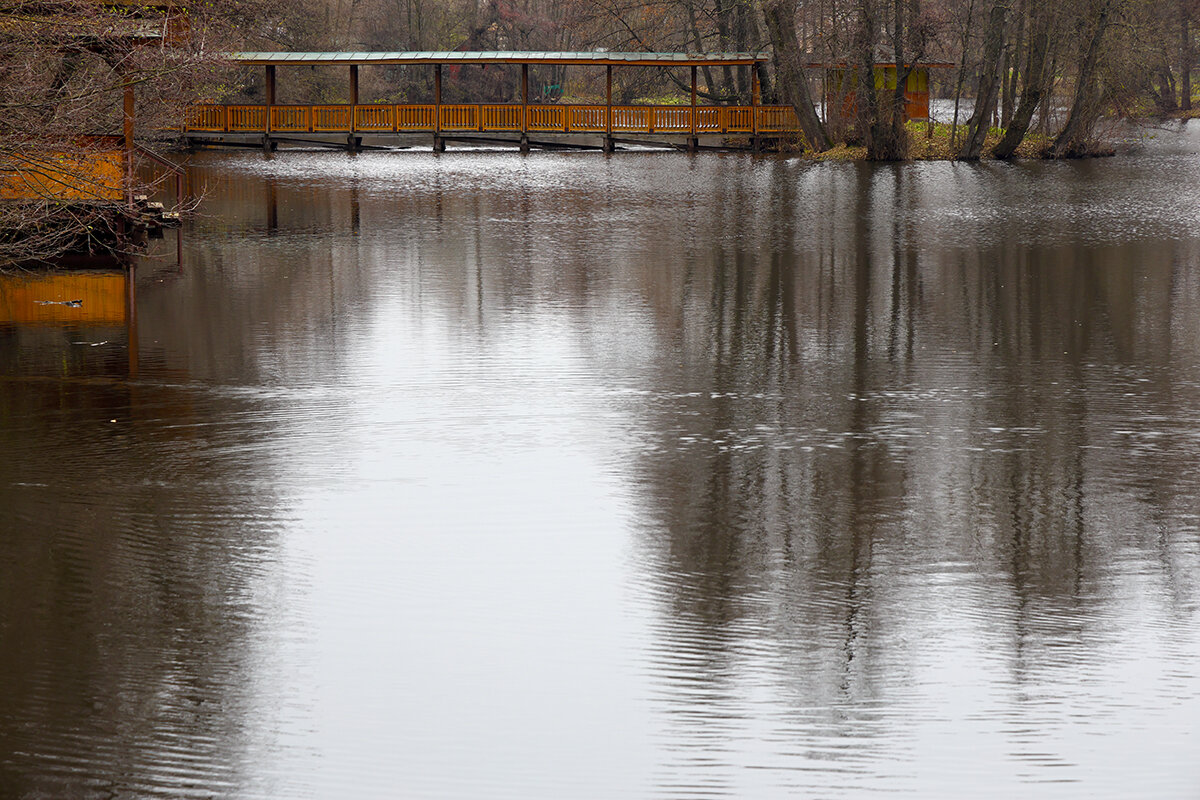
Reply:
x=651, y=476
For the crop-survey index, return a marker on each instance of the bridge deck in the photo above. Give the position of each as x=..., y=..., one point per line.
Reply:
x=499, y=118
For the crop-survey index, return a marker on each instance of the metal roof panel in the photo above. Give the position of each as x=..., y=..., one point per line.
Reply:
x=491, y=56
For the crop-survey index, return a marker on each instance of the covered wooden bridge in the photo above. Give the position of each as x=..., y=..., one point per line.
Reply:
x=524, y=123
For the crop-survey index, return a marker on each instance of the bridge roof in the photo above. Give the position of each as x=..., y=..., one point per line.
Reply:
x=498, y=57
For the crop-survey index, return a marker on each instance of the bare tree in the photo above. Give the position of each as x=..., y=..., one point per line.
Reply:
x=1187, y=11
x=1075, y=138
x=1035, y=78
x=989, y=83
x=69, y=70
x=781, y=23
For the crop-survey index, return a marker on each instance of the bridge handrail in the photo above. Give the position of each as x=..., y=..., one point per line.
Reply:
x=484, y=117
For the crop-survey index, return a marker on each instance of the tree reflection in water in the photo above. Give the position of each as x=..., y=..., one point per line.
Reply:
x=654, y=476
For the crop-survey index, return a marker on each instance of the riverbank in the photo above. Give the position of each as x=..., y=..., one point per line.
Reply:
x=932, y=143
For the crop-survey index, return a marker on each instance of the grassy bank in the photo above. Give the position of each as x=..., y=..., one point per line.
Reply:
x=934, y=145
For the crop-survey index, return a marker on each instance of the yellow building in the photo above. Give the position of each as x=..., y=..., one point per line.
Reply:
x=841, y=98
x=93, y=175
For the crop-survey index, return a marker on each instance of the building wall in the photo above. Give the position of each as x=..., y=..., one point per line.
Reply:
x=95, y=176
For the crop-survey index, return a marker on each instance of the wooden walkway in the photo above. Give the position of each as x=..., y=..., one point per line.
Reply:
x=549, y=122
x=552, y=123
x=482, y=118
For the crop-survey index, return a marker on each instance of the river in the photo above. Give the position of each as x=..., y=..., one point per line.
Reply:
x=649, y=475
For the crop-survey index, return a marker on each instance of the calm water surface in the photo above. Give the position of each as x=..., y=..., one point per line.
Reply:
x=644, y=476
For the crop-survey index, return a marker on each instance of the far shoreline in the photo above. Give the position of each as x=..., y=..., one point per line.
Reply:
x=928, y=142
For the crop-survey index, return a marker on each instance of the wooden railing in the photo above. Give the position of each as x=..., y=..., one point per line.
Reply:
x=415, y=118
x=509, y=118
x=546, y=118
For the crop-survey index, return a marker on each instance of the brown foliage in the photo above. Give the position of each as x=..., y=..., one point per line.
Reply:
x=65, y=66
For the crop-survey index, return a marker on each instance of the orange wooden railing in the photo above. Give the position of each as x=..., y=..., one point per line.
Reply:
x=331, y=118
x=240, y=118
x=777, y=119
x=589, y=119
x=708, y=119
x=631, y=119
x=499, y=118
x=738, y=120
x=206, y=118
x=458, y=118
x=291, y=119
x=546, y=118
x=415, y=118
x=374, y=118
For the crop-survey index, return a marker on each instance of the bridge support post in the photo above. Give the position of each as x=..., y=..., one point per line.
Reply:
x=693, y=143
x=755, y=99
x=353, y=143
x=609, y=144
x=439, y=144
x=269, y=90
x=524, y=108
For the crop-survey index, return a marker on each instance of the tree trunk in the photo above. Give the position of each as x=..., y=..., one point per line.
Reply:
x=1006, y=86
x=793, y=85
x=1034, y=84
x=1164, y=96
x=897, y=139
x=1045, y=113
x=699, y=44
x=741, y=35
x=766, y=87
x=962, y=69
x=867, y=99
x=833, y=94
x=880, y=121
x=989, y=84
x=1072, y=140
x=724, y=17
x=1012, y=74
x=1185, y=57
